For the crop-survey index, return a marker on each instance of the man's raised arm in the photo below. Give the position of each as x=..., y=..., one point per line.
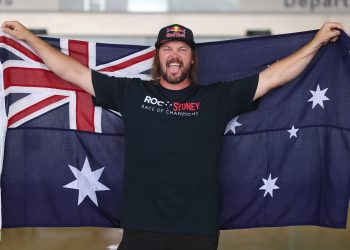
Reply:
x=291, y=66
x=62, y=65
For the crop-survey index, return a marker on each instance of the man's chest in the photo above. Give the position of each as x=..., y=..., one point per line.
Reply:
x=194, y=107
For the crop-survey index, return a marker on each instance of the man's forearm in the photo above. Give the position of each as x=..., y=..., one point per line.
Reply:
x=291, y=66
x=59, y=63
x=62, y=65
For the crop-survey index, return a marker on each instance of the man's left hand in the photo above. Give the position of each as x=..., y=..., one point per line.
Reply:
x=329, y=32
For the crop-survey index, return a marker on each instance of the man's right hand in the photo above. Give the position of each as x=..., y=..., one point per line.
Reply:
x=16, y=29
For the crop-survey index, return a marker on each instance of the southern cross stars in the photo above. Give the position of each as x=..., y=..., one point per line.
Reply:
x=86, y=182
x=231, y=126
x=269, y=185
x=318, y=97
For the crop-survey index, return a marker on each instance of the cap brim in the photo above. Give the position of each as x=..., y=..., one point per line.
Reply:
x=190, y=43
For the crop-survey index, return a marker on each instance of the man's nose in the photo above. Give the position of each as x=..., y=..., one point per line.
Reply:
x=175, y=54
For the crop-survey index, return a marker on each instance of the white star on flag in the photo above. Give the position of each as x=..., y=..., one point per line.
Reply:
x=293, y=132
x=232, y=125
x=86, y=182
x=318, y=97
x=269, y=185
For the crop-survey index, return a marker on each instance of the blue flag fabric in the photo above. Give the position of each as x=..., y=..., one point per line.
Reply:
x=287, y=163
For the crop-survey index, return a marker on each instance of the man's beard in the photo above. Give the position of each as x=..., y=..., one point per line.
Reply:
x=181, y=78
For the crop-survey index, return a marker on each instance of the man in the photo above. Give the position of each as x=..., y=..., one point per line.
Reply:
x=170, y=195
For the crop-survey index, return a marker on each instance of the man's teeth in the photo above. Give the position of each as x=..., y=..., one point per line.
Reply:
x=174, y=64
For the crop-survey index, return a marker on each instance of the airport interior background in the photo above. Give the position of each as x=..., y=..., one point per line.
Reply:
x=137, y=22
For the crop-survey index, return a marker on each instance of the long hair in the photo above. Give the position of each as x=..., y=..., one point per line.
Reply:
x=157, y=71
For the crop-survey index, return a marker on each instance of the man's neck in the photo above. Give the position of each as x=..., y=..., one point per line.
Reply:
x=184, y=84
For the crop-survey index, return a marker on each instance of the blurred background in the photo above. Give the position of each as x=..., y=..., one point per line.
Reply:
x=137, y=22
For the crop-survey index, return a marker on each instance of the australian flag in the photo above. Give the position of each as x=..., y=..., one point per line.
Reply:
x=287, y=163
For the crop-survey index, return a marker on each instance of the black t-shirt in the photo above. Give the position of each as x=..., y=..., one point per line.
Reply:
x=172, y=146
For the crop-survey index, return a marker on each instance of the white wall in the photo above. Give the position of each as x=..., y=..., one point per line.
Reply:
x=216, y=25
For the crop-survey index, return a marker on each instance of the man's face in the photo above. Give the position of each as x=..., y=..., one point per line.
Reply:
x=175, y=60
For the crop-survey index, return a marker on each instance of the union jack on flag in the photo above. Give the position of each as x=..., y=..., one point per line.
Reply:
x=42, y=91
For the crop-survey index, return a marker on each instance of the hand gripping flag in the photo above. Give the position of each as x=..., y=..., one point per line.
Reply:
x=287, y=163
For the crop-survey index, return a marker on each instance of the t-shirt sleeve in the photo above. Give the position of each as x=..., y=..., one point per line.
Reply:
x=239, y=95
x=109, y=91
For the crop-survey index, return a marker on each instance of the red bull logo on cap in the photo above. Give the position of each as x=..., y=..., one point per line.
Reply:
x=175, y=31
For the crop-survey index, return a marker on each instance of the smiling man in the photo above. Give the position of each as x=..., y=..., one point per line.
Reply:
x=178, y=57
x=170, y=194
